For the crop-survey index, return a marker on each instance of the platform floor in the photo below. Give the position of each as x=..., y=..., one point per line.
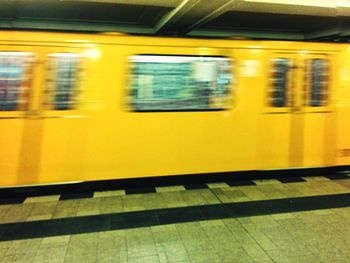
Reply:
x=287, y=220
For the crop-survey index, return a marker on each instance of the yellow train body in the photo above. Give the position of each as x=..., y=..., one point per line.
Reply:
x=103, y=139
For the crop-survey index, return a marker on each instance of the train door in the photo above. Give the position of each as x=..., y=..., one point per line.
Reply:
x=17, y=99
x=300, y=117
x=37, y=84
x=59, y=118
x=315, y=122
x=277, y=118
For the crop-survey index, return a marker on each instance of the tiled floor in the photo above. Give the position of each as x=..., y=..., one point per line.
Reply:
x=276, y=221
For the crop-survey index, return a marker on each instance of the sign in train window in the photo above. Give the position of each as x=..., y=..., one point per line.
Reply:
x=15, y=78
x=62, y=81
x=316, y=90
x=165, y=83
x=279, y=82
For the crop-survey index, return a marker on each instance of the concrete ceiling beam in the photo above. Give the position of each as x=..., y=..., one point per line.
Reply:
x=161, y=3
x=191, y=14
x=73, y=26
x=297, y=7
x=322, y=33
x=248, y=34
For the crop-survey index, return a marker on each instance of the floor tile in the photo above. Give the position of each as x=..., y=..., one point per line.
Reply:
x=81, y=254
x=111, y=204
x=241, y=183
x=172, y=252
x=315, y=178
x=175, y=188
x=41, y=211
x=267, y=181
x=22, y=257
x=24, y=246
x=153, y=201
x=89, y=206
x=16, y=213
x=203, y=257
x=218, y=185
x=194, y=197
x=133, y=202
x=109, y=193
x=235, y=194
x=39, y=199
x=55, y=254
x=66, y=208
x=146, y=259
x=55, y=240
x=166, y=236
x=253, y=193
x=111, y=255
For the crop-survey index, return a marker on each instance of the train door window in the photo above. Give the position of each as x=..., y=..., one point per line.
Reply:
x=166, y=83
x=15, y=77
x=62, y=81
x=316, y=75
x=279, y=82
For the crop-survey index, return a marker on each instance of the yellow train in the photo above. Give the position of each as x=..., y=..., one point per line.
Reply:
x=82, y=107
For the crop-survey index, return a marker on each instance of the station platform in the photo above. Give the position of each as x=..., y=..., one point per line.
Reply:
x=292, y=219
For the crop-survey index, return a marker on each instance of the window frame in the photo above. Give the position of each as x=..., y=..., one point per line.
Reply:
x=309, y=84
x=49, y=94
x=271, y=82
x=25, y=91
x=191, y=57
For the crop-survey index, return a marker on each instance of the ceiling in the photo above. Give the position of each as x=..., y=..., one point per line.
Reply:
x=321, y=20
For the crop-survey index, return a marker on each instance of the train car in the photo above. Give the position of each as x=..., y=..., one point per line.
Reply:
x=83, y=107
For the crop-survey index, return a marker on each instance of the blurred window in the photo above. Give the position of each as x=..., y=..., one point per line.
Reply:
x=62, y=81
x=317, y=71
x=279, y=82
x=15, y=77
x=165, y=83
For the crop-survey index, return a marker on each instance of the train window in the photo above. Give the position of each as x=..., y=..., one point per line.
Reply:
x=165, y=83
x=317, y=82
x=62, y=81
x=15, y=77
x=279, y=82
